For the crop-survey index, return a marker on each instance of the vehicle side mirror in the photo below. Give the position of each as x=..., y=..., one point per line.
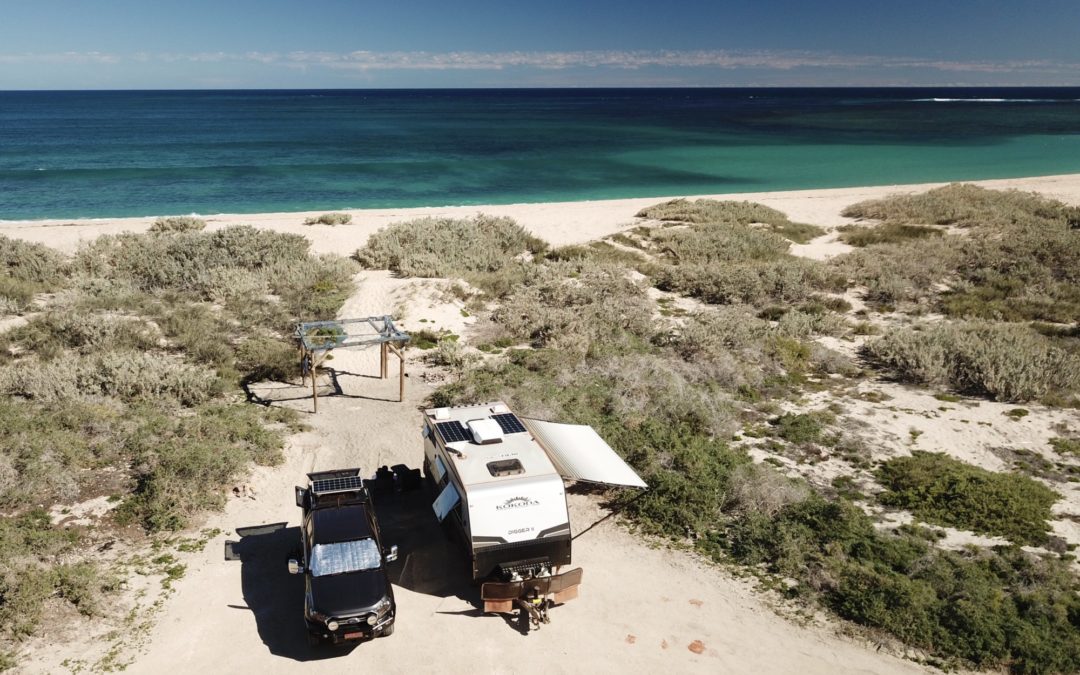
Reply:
x=301, y=497
x=295, y=567
x=391, y=555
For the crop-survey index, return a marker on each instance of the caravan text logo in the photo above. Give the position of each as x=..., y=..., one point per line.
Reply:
x=516, y=503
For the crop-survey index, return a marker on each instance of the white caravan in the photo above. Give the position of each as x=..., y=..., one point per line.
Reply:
x=499, y=485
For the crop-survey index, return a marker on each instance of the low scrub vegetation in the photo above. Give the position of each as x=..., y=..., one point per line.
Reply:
x=1018, y=259
x=125, y=386
x=945, y=491
x=1007, y=362
x=962, y=205
x=477, y=248
x=741, y=213
x=330, y=219
x=178, y=224
x=25, y=270
x=887, y=233
x=989, y=609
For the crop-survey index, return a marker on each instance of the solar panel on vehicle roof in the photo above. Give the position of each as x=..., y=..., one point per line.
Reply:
x=452, y=432
x=337, y=484
x=509, y=423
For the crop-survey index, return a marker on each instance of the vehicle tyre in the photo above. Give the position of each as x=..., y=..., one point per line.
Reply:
x=313, y=640
x=388, y=631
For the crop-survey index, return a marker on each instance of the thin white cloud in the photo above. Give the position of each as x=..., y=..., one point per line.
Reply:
x=547, y=60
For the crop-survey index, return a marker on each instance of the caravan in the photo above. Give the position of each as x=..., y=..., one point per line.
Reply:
x=498, y=485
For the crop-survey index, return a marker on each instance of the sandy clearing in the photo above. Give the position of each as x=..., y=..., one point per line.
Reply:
x=640, y=610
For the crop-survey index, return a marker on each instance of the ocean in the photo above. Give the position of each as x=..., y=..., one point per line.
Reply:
x=131, y=153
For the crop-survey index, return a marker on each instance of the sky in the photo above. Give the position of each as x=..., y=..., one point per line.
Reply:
x=210, y=44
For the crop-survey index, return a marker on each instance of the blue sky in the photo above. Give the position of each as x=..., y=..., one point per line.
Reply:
x=137, y=44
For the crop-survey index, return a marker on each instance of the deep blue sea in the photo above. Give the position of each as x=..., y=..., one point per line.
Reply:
x=125, y=153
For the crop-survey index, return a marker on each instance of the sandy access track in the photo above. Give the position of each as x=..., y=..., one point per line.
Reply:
x=643, y=607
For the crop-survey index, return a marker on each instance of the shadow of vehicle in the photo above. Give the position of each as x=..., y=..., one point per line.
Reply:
x=432, y=560
x=275, y=597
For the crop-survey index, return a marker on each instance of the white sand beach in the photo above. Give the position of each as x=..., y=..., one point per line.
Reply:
x=558, y=223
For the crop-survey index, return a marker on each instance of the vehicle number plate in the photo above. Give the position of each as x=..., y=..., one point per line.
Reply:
x=353, y=636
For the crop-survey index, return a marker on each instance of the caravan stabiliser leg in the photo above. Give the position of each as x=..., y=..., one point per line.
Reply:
x=536, y=608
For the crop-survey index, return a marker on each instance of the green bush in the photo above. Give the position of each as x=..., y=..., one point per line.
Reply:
x=961, y=205
x=1018, y=261
x=577, y=309
x=787, y=280
x=181, y=262
x=177, y=224
x=126, y=375
x=887, y=233
x=974, y=608
x=182, y=465
x=1005, y=361
x=742, y=213
x=946, y=491
x=330, y=219
x=801, y=427
x=49, y=334
x=25, y=270
x=447, y=247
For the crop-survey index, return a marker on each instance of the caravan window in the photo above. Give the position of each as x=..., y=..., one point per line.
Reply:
x=505, y=467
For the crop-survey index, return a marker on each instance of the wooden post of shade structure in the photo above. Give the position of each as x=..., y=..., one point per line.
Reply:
x=401, y=370
x=314, y=387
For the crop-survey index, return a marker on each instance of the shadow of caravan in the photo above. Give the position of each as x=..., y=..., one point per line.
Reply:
x=498, y=486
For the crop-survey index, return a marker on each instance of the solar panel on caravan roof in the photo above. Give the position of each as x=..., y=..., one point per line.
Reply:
x=337, y=485
x=453, y=432
x=509, y=423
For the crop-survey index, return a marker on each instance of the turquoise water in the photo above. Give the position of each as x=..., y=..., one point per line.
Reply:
x=105, y=154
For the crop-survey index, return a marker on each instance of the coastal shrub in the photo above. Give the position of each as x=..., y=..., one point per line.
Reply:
x=237, y=266
x=961, y=205
x=178, y=262
x=27, y=269
x=903, y=271
x=1007, y=362
x=946, y=491
x=887, y=233
x=34, y=263
x=787, y=280
x=330, y=219
x=760, y=490
x=974, y=608
x=1018, y=261
x=448, y=247
x=599, y=252
x=30, y=572
x=742, y=213
x=717, y=242
x=801, y=427
x=127, y=375
x=182, y=465
x=566, y=306
x=265, y=358
x=177, y=224
x=49, y=334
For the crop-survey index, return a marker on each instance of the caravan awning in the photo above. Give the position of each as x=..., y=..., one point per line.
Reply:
x=579, y=453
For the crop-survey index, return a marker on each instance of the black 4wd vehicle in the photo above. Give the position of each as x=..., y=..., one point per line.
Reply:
x=347, y=592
